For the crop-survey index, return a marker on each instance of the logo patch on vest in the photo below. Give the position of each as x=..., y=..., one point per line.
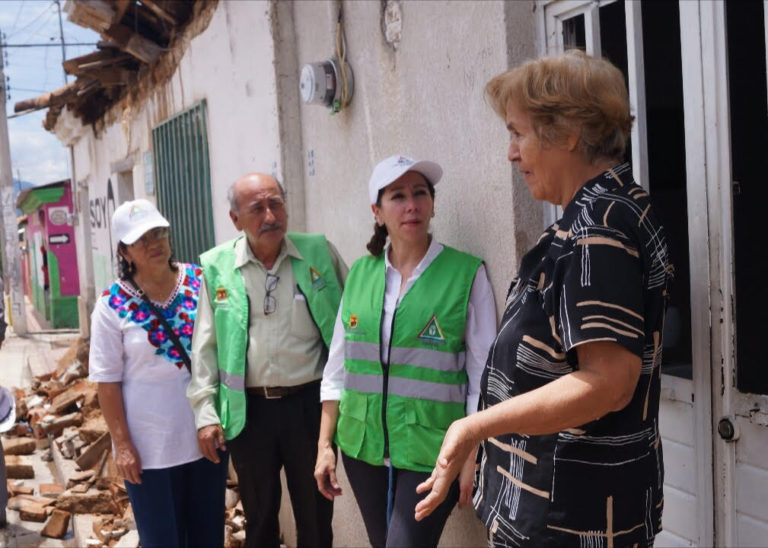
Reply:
x=351, y=325
x=221, y=294
x=432, y=331
x=318, y=282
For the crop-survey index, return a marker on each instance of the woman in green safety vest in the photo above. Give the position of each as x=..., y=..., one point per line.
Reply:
x=408, y=350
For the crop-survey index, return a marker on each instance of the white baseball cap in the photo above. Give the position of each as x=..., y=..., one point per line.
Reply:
x=7, y=409
x=134, y=218
x=389, y=170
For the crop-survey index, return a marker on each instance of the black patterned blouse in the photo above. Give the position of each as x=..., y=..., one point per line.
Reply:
x=601, y=273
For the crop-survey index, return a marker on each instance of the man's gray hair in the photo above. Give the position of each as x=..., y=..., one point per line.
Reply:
x=232, y=197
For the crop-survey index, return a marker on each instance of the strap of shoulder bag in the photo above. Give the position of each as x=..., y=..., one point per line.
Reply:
x=174, y=338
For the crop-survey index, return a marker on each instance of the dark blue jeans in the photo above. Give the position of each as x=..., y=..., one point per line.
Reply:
x=182, y=505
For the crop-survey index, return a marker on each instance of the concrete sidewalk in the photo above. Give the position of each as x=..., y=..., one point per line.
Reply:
x=22, y=358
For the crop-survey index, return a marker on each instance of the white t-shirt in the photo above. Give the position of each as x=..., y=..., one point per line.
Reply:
x=128, y=345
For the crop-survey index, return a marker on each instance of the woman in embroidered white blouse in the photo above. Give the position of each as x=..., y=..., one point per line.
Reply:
x=177, y=495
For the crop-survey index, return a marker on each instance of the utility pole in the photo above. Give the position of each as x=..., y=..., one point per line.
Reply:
x=9, y=227
x=63, y=46
x=86, y=299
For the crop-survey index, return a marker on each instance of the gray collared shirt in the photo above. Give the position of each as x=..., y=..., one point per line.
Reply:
x=285, y=348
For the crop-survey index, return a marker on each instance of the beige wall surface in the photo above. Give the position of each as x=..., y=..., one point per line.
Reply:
x=418, y=93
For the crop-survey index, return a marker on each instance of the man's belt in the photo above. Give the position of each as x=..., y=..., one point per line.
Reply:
x=275, y=392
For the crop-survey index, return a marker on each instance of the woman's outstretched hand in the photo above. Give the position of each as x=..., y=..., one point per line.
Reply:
x=456, y=449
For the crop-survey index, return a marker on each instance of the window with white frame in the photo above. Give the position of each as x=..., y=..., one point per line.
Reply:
x=748, y=99
x=643, y=40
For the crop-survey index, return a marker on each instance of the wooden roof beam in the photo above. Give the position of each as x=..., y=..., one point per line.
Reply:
x=96, y=15
x=120, y=8
x=142, y=48
x=52, y=98
x=113, y=76
x=88, y=87
x=104, y=63
x=158, y=10
x=93, y=60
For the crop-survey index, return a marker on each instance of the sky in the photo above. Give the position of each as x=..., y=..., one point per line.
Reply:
x=36, y=155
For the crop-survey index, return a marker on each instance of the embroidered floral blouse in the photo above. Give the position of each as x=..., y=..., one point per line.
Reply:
x=179, y=311
x=130, y=346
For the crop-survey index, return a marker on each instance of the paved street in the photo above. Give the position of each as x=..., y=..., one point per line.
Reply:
x=21, y=358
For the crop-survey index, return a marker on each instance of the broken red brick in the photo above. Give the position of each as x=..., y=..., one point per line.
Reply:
x=92, y=455
x=51, y=389
x=44, y=377
x=16, y=502
x=66, y=402
x=79, y=477
x=20, y=489
x=91, y=502
x=93, y=429
x=50, y=490
x=58, y=424
x=19, y=429
x=18, y=446
x=36, y=414
x=19, y=467
x=33, y=512
x=58, y=524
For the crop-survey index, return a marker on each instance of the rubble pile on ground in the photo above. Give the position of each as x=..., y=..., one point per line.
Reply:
x=234, y=521
x=59, y=416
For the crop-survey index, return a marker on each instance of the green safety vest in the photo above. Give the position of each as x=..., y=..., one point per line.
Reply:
x=316, y=279
x=402, y=409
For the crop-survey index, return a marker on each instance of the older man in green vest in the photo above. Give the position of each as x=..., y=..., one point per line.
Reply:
x=264, y=322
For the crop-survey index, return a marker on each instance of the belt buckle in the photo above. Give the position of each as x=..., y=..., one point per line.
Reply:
x=273, y=397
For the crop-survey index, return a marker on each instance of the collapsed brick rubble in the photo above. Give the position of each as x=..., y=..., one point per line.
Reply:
x=58, y=418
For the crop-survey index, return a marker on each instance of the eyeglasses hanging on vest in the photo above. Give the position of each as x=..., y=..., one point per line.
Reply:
x=270, y=303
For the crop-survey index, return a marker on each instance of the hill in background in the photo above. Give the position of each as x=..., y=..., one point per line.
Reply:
x=18, y=186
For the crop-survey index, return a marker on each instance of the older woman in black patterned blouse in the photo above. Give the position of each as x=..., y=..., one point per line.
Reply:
x=571, y=453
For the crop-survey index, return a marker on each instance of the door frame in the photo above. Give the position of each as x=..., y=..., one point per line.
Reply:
x=707, y=143
x=707, y=138
x=727, y=400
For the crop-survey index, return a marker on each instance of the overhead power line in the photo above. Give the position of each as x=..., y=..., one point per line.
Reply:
x=50, y=45
x=47, y=11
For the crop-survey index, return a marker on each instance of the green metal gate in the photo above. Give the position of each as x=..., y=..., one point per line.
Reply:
x=183, y=181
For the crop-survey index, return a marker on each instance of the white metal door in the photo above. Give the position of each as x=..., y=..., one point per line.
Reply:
x=714, y=488
x=739, y=402
x=644, y=41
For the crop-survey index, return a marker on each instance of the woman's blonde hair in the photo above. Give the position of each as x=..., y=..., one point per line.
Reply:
x=568, y=92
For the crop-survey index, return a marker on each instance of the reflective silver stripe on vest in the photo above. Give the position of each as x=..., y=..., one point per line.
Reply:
x=409, y=388
x=233, y=381
x=419, y=357
x=355, y=350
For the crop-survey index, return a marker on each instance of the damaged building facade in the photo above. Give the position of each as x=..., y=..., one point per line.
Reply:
x=183, y=97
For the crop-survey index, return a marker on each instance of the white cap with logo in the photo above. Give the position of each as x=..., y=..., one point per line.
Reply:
x=389, y=170
x=134, y=218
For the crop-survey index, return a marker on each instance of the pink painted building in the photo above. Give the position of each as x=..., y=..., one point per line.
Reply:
x=51, y=255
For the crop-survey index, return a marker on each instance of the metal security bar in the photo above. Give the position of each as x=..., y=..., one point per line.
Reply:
x=183, y=181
